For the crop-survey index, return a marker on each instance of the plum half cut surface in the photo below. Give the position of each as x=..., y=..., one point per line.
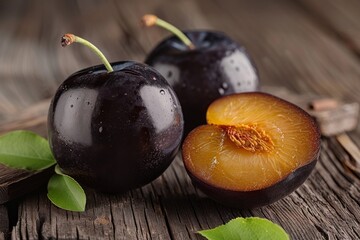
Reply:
x=256, y=149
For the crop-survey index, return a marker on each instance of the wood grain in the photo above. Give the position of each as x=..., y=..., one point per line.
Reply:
x=4, y=222
x=340, y=18
x=15, y=183
x=325, y=207
x=291, y=48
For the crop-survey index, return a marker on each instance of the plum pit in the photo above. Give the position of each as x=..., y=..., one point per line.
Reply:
x=249, y=137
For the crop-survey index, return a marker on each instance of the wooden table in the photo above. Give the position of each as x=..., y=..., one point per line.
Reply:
x=306, y=46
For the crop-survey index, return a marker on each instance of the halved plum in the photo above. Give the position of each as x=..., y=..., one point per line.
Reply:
x=256, y=149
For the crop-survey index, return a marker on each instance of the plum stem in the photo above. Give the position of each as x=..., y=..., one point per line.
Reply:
x=69, y=38
x=150, y=20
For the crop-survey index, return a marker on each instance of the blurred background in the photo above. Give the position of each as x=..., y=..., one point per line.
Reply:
x=310, y=47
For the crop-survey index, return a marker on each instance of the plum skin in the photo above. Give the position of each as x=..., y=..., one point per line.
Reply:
x=257, y=198
x=217, y=66
x=115, y=131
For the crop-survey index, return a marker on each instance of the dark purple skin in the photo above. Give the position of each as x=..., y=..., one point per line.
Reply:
x=217, y=66
x=115, y=131
x=258, y=198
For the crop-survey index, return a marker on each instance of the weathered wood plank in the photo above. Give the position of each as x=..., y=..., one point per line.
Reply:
x=15, y=183
x=33, y=63
x=33, y=119
x=313, y=210
x=340, y=18
x=133, y=215
x=4, y=222
x=289, y=49
x=336, y=191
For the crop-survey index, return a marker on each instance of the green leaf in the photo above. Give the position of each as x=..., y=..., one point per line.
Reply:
x=25, y=150
x=252, y=228
x=64, y=192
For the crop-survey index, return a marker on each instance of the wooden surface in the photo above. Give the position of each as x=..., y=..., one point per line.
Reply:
x=309, y=47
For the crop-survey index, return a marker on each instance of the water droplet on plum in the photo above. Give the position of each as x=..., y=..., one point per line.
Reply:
x=225, y=85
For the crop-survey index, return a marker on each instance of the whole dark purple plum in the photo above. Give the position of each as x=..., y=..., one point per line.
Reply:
x=214, y=67
x=115, y=131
